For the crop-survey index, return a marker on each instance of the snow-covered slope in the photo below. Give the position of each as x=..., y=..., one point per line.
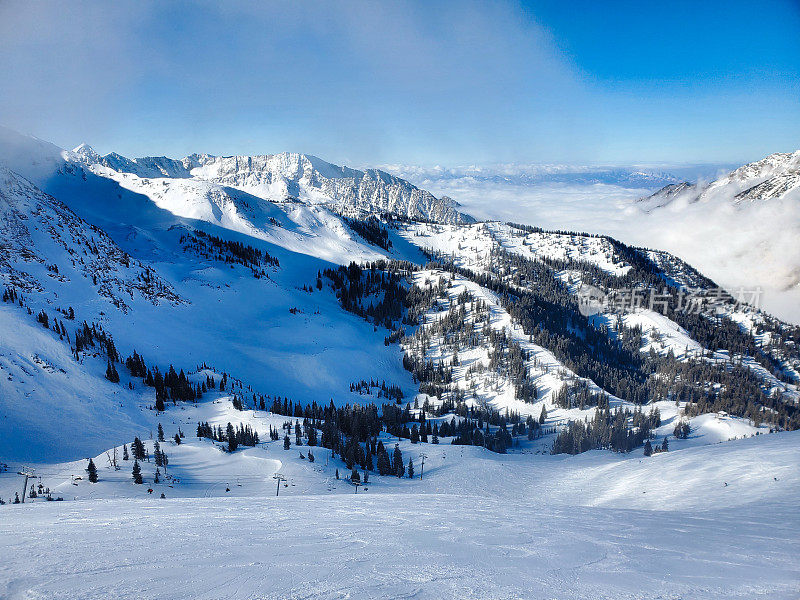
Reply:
x=175, y=297
x=705, y=523
x=45, y=247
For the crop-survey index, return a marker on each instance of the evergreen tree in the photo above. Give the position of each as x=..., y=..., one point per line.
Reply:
x=682, y=430
x=111, y=373
x=355, y=477
x=287, y=444
x=384, y=464
x=398, y=456
x=125, y=452
x=137, y=472
x=92, y=470
x=177, y=439
x=160, y=433
x=648, y=448
x=410, y=469
x=231, y=436
x=397, y=460
x=138, y=449
x=368, y=466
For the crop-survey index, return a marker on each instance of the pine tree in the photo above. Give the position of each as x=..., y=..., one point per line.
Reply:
x=397, y=459
x=286, y=443
x=158, y=454
x=682, y=430
x=384, y=464
x=368, y=466
x=160, y=433
x=177, y=439
x=648, y=448
x=111, y=373
x=233, y=439
x=138, y=449
x=137, y=472
x=355, y=477
x=337, y=473
x=410, y=469
x=125, y=452
x=92, y=470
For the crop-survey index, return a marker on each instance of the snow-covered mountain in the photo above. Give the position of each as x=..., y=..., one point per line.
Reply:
x=132, y=288
x=741, y=228
x=209, y=325
x=288, y=176
x=775, y=177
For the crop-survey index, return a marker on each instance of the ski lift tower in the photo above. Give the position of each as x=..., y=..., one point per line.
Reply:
x=278, y=477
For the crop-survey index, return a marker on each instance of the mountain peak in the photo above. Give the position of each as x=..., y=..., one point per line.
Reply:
x=85, y=151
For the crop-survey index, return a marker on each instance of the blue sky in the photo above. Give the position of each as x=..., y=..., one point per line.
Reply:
x=424, y=83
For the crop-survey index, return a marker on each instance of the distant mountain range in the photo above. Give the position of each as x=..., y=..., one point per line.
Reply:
x=527, y=175
x=290, y=176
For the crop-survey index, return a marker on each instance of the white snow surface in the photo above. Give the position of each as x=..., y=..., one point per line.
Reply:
x=708, y=522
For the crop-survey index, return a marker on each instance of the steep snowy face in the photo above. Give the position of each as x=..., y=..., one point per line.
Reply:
x=773, y=165
x=774, y=177
x=46, y=248
x=310, y=179
x=779, y=186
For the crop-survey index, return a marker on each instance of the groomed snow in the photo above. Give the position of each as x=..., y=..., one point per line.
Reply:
x=689, y=524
